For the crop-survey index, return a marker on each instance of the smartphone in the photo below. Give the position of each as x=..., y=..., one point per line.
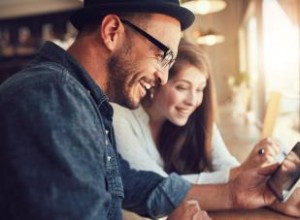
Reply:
x=285, y=178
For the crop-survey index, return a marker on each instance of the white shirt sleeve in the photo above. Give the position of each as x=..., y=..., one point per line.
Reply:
x=222, y=161
x=132, y=137
x=221, y=157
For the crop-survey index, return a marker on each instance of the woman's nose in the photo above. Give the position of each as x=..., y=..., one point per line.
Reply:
x=194, y=98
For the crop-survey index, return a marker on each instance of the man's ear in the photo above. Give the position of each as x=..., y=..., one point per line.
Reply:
x=111, y=31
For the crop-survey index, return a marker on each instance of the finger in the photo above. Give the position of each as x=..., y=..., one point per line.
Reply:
x=289, y=166
x=273, y=149
x=270, y=149
x=279, y=145
x=269, y=159
x=192, y=206
x=266, y=154
x=192, y=202
x=269, y=169
x=276, y=147
x=185, y=211
x=270, y=146
x=264, y=158
x=201, y=215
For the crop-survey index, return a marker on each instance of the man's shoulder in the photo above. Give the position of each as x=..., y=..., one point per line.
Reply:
x=33, y=76
x=36, y=72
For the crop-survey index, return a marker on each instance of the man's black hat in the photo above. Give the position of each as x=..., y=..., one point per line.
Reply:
x=95, y=9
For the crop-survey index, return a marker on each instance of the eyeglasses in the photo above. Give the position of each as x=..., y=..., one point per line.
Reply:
x=167, y=58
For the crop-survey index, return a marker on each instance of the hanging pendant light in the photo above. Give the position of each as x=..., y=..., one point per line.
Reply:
x=209, y=37
x=204, y=7
x=10, y=9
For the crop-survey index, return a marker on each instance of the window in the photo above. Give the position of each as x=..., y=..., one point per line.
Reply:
x=270, y=47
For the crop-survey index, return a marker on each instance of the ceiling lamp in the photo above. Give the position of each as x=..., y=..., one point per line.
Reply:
x=10, y=9
x=209, y=37
x=204, y=7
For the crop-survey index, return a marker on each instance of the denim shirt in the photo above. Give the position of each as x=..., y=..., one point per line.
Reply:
x=57, y=154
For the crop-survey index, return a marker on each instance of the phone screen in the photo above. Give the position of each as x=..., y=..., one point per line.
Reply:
x=284, y=180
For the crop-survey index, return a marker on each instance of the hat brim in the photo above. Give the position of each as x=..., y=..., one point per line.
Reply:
x=89, y=14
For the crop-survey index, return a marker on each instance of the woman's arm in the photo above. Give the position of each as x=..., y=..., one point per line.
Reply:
x=221, y=157
x=135, y=144
x=222, y=161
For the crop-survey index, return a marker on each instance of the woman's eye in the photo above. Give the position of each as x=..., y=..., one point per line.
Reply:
x=201, y=89
x=181, y=88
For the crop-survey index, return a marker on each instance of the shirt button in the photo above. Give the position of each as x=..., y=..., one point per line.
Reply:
x=106, y=142
x=106, y=131
x=108, y=158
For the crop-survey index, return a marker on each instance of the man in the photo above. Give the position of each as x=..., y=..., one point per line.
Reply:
x=57, y=144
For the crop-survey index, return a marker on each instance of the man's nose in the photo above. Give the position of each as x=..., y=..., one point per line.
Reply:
x=163, y=75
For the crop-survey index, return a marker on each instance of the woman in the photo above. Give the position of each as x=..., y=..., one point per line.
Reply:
x=174, y=130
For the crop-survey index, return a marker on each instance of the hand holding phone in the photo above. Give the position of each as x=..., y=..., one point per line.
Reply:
x=286, y=177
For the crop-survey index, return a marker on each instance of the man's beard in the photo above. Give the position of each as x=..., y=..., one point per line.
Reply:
x=120, y=70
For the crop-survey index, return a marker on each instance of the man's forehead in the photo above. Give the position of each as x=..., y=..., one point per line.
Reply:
x=167, y=29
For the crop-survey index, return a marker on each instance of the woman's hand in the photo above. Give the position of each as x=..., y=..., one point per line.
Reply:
x=189, y=210
x=261, y=155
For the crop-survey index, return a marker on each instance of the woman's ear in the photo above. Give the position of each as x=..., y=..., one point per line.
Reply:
x=111, y=31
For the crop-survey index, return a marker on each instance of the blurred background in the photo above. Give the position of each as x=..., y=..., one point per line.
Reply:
x=253, y=46
x=254, y=49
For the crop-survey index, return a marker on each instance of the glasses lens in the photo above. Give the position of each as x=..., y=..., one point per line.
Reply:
x=167, y=60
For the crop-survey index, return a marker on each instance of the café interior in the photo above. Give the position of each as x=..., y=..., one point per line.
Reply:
x=255, y=62
x=253, y=47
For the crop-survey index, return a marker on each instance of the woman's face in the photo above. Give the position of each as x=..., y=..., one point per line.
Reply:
x=179, y=98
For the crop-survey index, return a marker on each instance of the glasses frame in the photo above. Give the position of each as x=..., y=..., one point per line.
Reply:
x=168, y=55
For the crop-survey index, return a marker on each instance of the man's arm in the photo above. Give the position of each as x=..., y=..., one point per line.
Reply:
x=247, y=191
x=149, y=194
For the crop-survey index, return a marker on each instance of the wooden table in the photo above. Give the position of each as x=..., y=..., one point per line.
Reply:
x=257, y=214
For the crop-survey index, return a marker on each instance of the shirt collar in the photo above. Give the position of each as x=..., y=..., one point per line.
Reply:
x=53, y=52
